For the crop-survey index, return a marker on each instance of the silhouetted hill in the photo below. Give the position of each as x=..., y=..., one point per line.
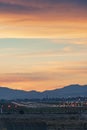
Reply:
x=71, y=90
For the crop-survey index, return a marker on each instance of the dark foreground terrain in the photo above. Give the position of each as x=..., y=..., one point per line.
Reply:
x=54, y=115
x=43, y=122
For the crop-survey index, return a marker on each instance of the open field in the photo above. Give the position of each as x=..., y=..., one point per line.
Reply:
x=43, y=122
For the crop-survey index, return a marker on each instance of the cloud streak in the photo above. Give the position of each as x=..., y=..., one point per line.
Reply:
x=43, y=18
x=47, y=8
x=44, y=80
x=53, y=75
x=54, y=72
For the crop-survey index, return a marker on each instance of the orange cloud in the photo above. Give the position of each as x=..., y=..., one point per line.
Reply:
x=49, y=78
x=42, y=19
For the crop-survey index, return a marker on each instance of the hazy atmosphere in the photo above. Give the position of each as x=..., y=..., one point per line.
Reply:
x=43, y=43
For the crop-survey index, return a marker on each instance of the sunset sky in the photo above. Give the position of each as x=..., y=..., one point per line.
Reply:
x=43, y=43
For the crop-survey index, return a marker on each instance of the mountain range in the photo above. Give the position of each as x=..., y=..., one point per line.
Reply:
x=74, y=90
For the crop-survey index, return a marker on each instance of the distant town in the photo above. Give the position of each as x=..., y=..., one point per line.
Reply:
x=46, y=105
